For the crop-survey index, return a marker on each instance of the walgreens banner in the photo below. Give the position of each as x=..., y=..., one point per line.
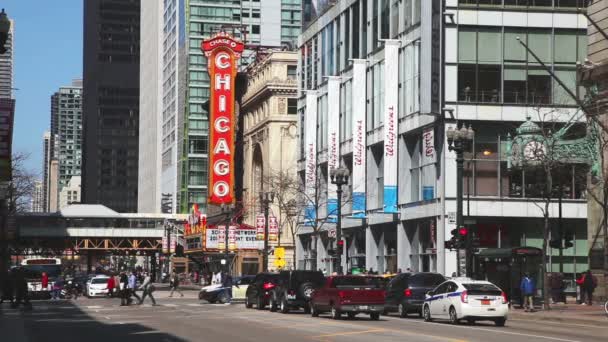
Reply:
x=222, y=52
x=391, y=116
x=359, y=136
x=310, y=151
x=333, y=144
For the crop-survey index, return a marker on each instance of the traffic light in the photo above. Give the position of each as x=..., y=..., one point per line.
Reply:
x=462, y=237
x=340, y=247
x=568, y=240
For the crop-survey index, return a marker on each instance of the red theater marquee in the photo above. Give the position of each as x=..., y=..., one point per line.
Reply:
x=222, y=53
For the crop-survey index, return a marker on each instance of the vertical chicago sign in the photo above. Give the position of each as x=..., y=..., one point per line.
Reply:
x=222, y=52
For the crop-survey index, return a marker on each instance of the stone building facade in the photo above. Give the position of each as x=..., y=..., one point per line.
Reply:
x=269, y=109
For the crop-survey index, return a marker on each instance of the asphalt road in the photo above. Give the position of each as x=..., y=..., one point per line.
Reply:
x=187, y=319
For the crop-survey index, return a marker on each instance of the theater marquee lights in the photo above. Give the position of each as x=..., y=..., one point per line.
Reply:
x=222, y=52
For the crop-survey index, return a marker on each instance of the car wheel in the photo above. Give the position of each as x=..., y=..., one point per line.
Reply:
x=307, y=308
x=223, y=298
x=211, y=301
x=352, y=315
x=402, y=310
x=273, y=305
x=427, y=313
x=453, y=316
x=335, y=314
x=200, y=296
x=313, y=310
x=500, y=322
x=260, y=304
x=284, y=307
x=374, y=316
x=306, y=290
x=248, y=304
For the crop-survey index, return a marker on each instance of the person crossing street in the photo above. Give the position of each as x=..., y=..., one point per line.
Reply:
x=132, y=286
x=148, y=288
x=174, y=284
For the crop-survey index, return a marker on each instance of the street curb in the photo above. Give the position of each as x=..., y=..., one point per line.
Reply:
x=566, y=319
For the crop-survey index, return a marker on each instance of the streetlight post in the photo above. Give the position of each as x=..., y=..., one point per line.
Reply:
x=226, y=209
x=292, y=211
x=459, y=141
x=266, y=198
x=339, y=177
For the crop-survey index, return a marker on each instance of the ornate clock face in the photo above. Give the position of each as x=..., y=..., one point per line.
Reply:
x=534, y=150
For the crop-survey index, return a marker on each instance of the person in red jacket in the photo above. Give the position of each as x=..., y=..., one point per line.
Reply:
x=45, y=281
x=111, y=286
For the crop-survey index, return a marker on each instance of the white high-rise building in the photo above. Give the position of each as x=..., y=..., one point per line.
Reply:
x=150, y=104
x=37, y=201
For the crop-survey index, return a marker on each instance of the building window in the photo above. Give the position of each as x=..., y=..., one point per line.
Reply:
x=255, y=29
x=292, y=106
x=292, y=72
x=199, y=144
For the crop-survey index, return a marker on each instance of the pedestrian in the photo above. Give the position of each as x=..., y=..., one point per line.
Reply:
x=399, y=271
x=148, y=288
x=110, y=286
x=580, y=289
x=132, y=286
x=20, y=287
x=527, y=288
x=57, y=287
x=45, y=281
x=227, y=285
x=116, y=277
x=174, y=284
x=124, y=289
x=589, y=285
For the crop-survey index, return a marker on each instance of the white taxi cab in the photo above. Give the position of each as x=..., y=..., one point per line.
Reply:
x=466, y=299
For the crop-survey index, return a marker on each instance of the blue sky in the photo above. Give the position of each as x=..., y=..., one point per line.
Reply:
x=48, y=54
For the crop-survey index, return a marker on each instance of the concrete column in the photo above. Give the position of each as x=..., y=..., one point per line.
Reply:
x=404, y=247
x=415, y=248
x=299, y=248
x=371, y=249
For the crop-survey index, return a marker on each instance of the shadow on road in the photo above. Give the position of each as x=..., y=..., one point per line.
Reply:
x=64, y=321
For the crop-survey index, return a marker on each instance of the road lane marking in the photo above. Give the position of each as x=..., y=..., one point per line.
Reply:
x=559, y=323
x=347, y=333
x=498, y=331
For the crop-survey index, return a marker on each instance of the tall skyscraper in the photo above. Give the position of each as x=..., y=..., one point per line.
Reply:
x=111, y=103
x=6, y=66
x=183, y=120
x=150, y=104
x=49, y=149
x=37, y=201
x=66, y=125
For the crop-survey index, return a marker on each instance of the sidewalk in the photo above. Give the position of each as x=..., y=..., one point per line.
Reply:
x=566, y=313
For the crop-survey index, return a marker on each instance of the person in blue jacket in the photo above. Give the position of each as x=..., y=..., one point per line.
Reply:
x=528, y=288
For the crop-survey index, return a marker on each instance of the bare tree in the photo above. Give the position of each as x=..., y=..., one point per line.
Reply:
x=22, y=185
x=292, y=201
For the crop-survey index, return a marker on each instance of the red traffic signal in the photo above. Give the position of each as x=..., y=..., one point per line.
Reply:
x=462, y=231
x=340, y=243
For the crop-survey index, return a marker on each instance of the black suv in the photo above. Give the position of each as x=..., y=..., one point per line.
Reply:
x=259, y=290
x=295, y=289
x=406, y=292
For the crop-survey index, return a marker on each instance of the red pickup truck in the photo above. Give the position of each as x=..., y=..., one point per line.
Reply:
x=350, y=294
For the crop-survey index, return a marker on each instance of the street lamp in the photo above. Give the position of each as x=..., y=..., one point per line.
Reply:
x=266, y=198
x=292, y=211
x=5, y=26
x=339, y=177
x=459, y=141
x=226, y=210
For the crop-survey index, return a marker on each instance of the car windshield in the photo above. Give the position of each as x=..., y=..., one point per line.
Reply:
x=426, y=280
x=35, y=271
x=314, y=277
x=482, y=289
x=99, y=281
x=375, y=282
